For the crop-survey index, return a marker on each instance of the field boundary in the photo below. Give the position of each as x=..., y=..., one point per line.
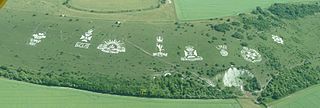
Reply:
x=68, y=5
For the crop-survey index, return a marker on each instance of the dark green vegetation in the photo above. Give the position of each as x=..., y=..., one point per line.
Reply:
x=55, y=62
x=222, y=27
x=162, y=87
x=16, y=94
x=291, y=80
x=293, y=11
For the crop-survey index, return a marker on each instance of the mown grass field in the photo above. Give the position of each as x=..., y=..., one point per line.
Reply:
x=55, y=8
x=206, y=9
x=113, y=5
x=307, y=98
x=14, y=94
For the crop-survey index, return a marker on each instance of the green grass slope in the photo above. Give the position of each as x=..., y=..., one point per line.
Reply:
x=14, y=94
x=55, y=61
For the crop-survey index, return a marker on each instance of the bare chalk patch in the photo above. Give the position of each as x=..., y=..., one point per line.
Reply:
x=251, y=55
x=232, y=76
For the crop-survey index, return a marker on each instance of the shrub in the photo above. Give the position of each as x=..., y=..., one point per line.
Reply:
x=244, y=44
x=222, y=27
x=235, y=23
x=237, y=35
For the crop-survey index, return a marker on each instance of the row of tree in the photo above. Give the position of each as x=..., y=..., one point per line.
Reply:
x=293, y=11
x=170, y=86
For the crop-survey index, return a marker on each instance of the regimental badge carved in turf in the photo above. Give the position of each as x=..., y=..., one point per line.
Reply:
x=223, y=50
x=85, y=40
x=36, y=38
x=191, y=54
x=112, y=47
x=251, y=55
x=161, y=50
x=277, y=39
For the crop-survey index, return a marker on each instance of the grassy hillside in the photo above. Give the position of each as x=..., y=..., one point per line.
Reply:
x=23, y=95
x=56, y=62
x=206, y=9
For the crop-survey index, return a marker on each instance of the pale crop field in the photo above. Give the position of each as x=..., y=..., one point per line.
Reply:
x=16, y=94
x=206, y=9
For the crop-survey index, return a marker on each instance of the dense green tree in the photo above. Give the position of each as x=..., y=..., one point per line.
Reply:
x=222, y=27
x=293, y=11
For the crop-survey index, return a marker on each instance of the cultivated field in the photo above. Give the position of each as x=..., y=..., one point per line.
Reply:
x=23, y=95
x=206, y=9
x=307, y=98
